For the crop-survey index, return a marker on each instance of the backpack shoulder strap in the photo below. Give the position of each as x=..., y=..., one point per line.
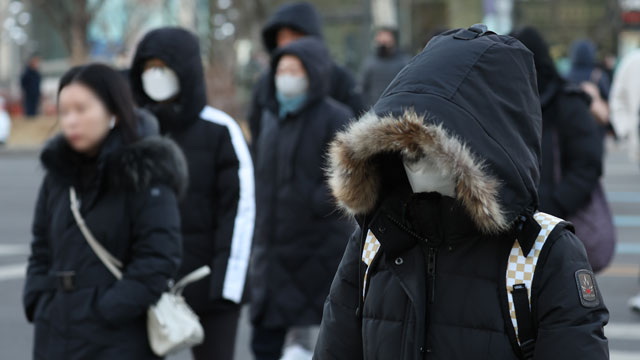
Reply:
x=369, y=252
x=519, y=276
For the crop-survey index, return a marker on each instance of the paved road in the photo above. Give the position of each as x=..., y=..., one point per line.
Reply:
x=20, y=176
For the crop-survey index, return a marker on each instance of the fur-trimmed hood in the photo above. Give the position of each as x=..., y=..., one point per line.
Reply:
x=148, y=161
x=469, y=104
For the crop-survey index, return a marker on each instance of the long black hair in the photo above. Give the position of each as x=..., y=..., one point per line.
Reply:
x=112, y=89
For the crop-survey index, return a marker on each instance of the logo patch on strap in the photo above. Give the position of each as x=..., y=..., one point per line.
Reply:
x=587, y=288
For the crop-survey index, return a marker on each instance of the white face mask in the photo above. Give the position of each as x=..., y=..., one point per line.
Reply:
x=291, y=85
x=425, y=177
x=160, y=83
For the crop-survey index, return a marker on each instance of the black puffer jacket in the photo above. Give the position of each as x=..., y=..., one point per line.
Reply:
x=437, y=287
x=299, y=236
x=218, y=211
x=301, y=16
x=128, y=199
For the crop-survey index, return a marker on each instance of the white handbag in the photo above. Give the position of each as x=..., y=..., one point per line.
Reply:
x=171, y=324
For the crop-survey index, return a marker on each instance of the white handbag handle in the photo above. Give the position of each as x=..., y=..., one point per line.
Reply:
x=193, y=276
x=111, y=262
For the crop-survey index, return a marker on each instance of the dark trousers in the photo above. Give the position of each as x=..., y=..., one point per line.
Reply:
x=31, y=105
x=219, y=335
x=267, y=344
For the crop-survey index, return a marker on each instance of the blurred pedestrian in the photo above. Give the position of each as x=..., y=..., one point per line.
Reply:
x=625, y=115
x=593, y=79
x=289, y=22
x=300, y=237
x=584, y=67
x=30, y=82
x=625, y=102
x=380, y=68
x=128, y=183
x=218, y=212
x=442, y=177
x=572, y=153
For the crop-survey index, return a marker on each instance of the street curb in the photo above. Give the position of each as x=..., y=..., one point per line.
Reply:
x=20, y=151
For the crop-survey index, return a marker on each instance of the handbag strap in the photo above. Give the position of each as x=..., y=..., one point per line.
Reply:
x=111, y=262
x=193, y=276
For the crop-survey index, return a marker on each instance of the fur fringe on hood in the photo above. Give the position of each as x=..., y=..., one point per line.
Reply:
x=151, y=160
x=148, y=161
x=354, y=177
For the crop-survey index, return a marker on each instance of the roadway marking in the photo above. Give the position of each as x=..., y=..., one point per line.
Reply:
x=626, y=220
x=623, y=196
x=12, y=272
x=622, y=331
x=14, y=249
x=628, y=248
x=624, y=355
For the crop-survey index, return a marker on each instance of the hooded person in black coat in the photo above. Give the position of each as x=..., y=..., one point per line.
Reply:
x=128, y=183
x=299, y=19
x=442, y=176
x=218, y=211
x=299, y=236
x=571, y=159
x=572, y=148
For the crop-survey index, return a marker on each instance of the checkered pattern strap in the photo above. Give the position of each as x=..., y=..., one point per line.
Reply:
x=369, y=252
x=520, y=269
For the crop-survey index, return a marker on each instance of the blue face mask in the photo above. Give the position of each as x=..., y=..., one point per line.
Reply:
x=288, y=105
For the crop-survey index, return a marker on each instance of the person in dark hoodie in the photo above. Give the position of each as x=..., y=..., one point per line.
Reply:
x=381, y=67
x=290, y=22
x=128, y=181
x=218, y=211
x=572, y=153
x=442, y=177
x=584, y=67
x=299, y=236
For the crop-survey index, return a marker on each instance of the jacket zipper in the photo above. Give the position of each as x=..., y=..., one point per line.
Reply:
x=432, y=254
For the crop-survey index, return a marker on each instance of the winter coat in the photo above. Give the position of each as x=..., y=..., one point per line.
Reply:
x=377, y=73
x=437, y=286
x=299, y=236
x=572, y=149
x=218, y=211
x=128, y=198
x=625, y=102
x=303, y=17
x=30, y=82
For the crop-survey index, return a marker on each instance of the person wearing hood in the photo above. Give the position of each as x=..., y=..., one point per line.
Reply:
x=299, y=236
x=442, y=176
x=584, y=67
x=289, y=22
x=218, y=211
x=127, y=182
x=572, y=152
x=380, y=68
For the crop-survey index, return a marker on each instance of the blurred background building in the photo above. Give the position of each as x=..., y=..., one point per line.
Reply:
x=66, y=32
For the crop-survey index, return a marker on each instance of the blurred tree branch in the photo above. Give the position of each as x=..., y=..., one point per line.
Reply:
x=71, y=18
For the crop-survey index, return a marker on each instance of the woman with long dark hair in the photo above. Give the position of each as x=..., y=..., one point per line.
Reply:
x=127, y=183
